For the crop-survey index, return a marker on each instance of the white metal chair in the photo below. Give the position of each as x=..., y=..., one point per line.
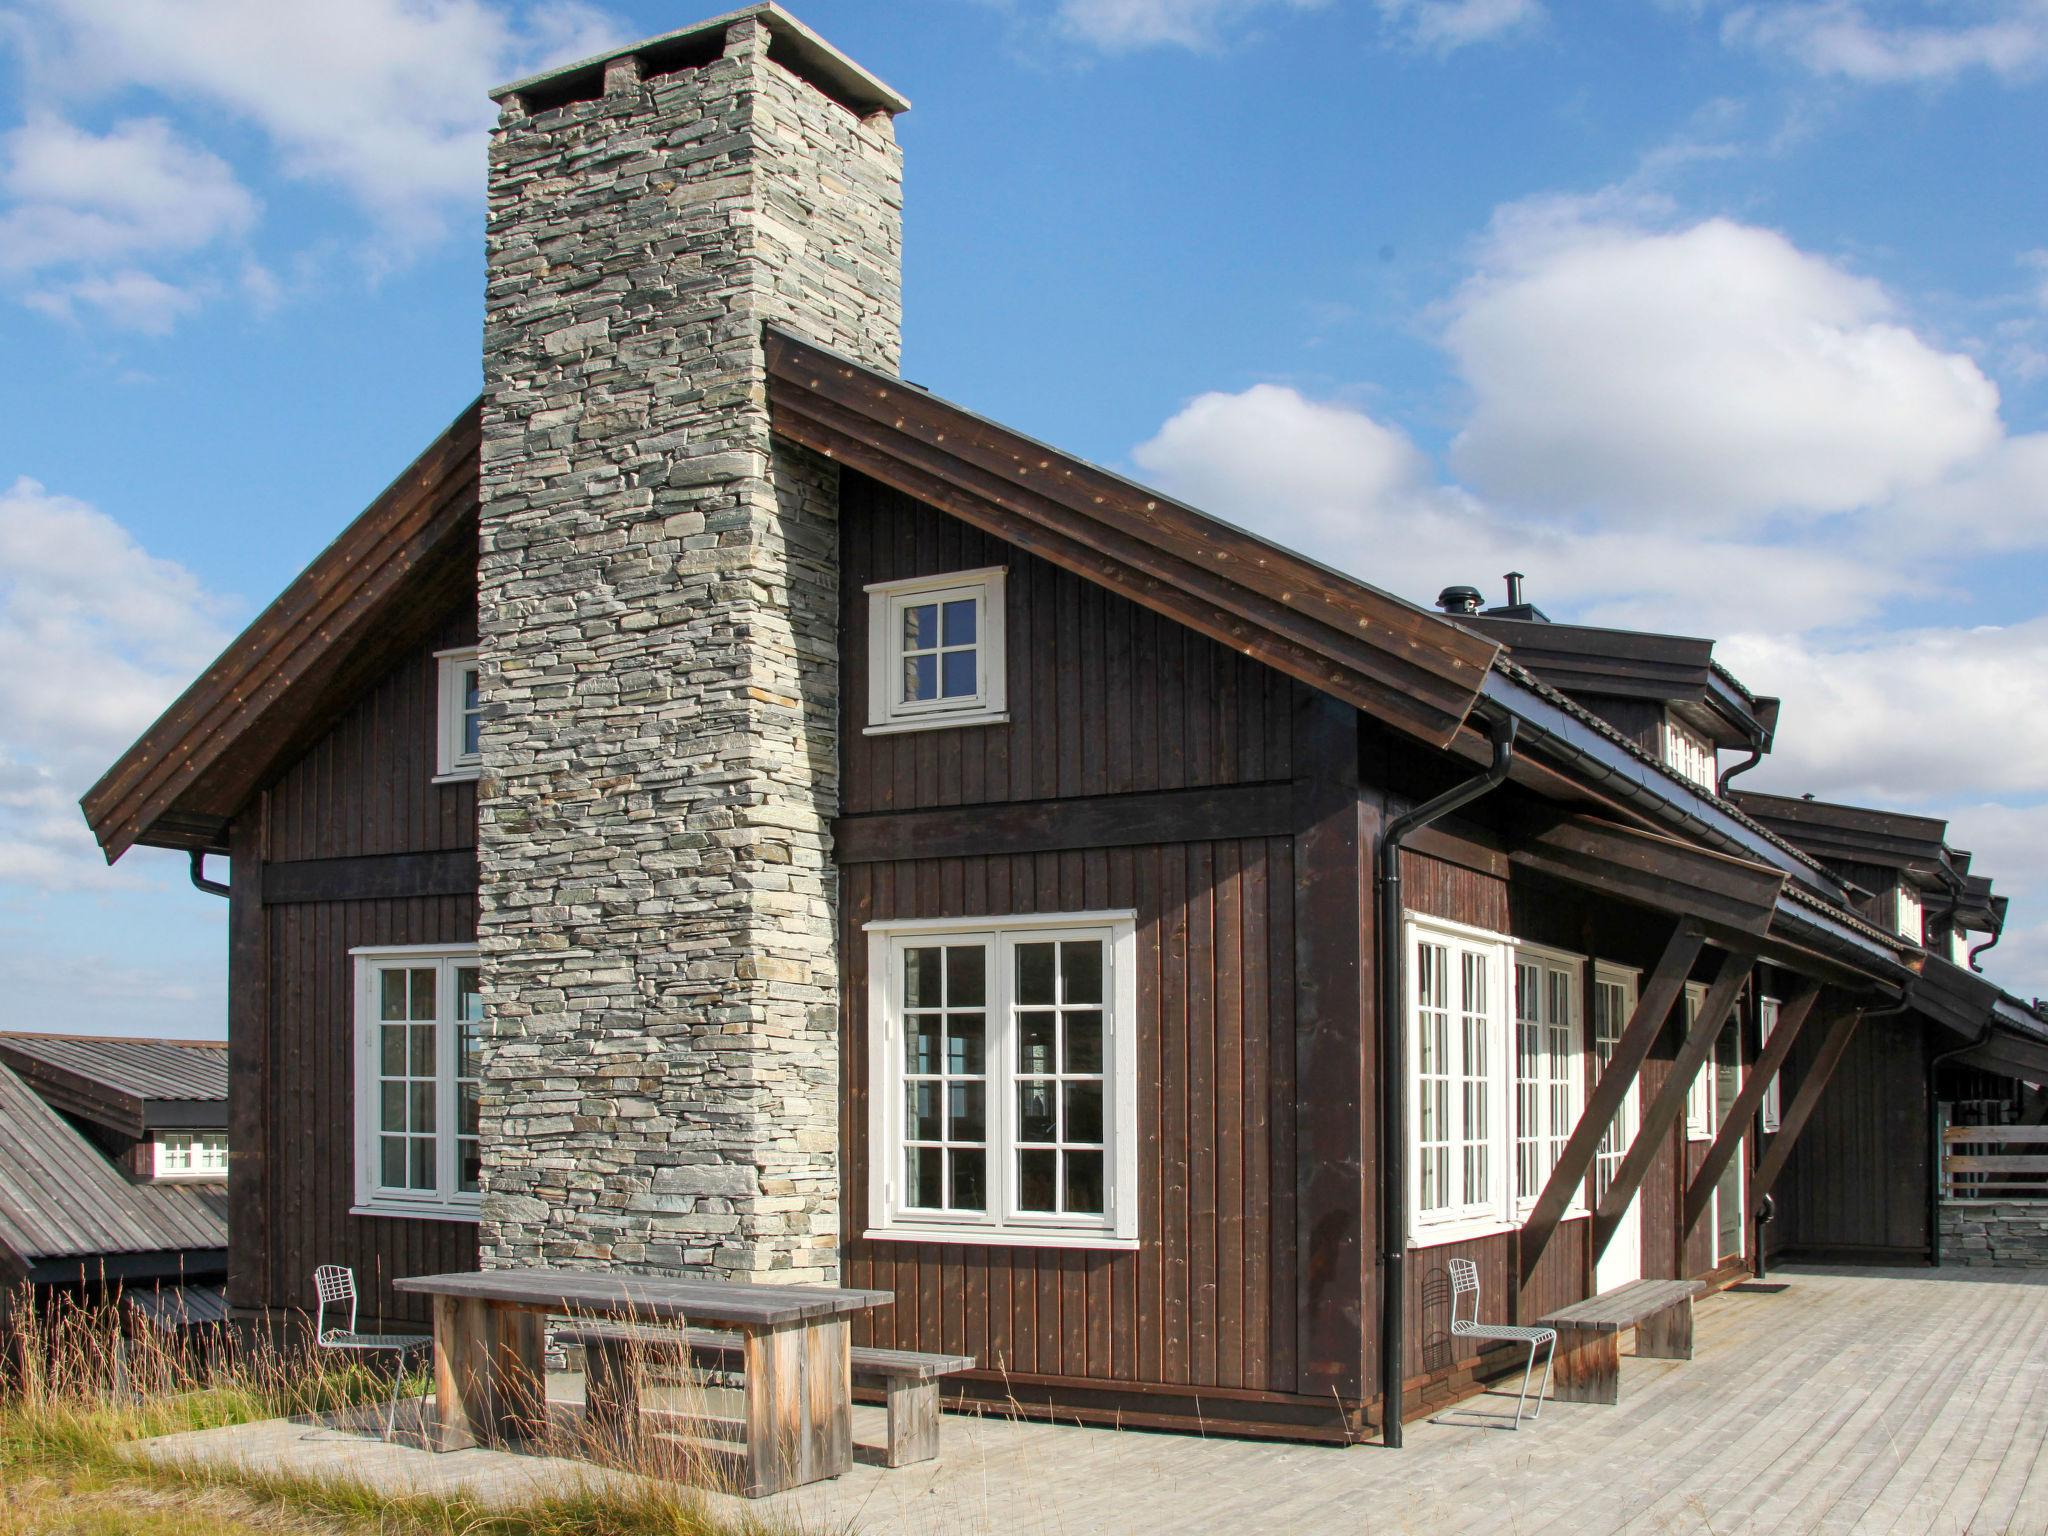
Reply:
x=335, y=1285
x=1465, y=1282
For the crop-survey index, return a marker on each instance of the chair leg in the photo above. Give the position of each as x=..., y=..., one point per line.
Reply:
x=391, y=1413
x=1527, y=1371
x=1549, y=1355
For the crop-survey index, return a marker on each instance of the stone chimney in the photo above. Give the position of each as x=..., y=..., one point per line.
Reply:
x=658, y=601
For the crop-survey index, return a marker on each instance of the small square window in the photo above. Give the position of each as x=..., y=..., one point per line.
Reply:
x=935, y=651
x=461, y=716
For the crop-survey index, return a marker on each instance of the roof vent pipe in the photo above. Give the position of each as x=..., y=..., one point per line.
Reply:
x=1514, y=589
x=1455, y=600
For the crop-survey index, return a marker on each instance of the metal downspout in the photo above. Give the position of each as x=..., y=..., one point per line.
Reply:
x=1990, y=943
x=211, y=887
x=1393, y=979
x=1756, y=756
x=1934, y=1067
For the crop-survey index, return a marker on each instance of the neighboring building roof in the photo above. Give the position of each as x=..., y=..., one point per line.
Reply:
x=181, y=1306
x=1915, y=846
x=128, y=1085
x=65, y=1209
x=1675, y=670
x=366, y=599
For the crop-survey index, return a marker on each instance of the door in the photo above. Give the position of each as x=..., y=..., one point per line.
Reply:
x=1614, y=999
x=1728, y=1193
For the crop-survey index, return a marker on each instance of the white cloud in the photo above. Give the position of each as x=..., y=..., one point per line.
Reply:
x=1712, y=372
x=129, y=300
x=96, y=636
x=1905, y=715
x=1120, y=26
x=83, y=199
x=1330, y=480
x=385, y=99
x=1445, y=25
x=1860, y=42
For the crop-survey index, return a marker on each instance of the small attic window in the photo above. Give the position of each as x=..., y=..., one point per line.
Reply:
x=935, y=652
x=1689, y=753
x=461, y=717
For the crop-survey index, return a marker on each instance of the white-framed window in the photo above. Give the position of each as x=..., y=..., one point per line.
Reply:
x=1496, y=1076
x=1912, y=914
x=935, y=652
x=460, y=755
x=1699, y=1093
x=1003, y=1080
x=1614, y=1004
x=1767, y=1024
x=190, y=1155
x=1550, y=1085
x=1959, y=948
x=1690, y=753
x=419, y=1036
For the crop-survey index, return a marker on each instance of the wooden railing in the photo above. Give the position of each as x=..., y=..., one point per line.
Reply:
x=1995, y=1162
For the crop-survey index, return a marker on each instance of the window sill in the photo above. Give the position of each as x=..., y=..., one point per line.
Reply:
x=1477, y=1227
x=459, y=776
x=935, y=723
x=1002, y=1237
x=464, y=1213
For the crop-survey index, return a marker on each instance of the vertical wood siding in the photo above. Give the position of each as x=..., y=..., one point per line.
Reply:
x=1104, y=697
x=1209, y=1298
x=364, y=788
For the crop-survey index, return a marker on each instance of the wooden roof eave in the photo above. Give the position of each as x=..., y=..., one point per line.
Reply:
x=1399, y=663
x=1645, y=869
x=324, y=610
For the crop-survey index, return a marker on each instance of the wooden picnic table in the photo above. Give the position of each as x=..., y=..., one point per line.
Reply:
x=490, y=1368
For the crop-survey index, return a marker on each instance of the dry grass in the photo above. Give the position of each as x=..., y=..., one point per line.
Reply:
x=73, y=1402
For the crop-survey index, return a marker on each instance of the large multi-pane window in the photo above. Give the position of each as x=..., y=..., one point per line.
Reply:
x=935, y=651
x=419, y=1023
x=1002, y=1092
x=1614, y=1003
x=1497, y=1076
x=1548, y=1073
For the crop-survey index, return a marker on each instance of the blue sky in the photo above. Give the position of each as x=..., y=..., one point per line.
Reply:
x=1716, y=318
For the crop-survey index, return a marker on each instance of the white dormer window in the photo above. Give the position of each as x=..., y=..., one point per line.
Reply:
x=1912, y=916
x=1688, y=752
x=190, y=1155
x=1959, y=948
x=935, y=652
x=461, y=754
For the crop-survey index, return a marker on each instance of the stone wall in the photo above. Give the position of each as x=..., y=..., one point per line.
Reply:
x=2008, y=1233
x=657, y=618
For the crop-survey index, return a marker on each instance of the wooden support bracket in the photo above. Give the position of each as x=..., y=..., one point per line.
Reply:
x=1669, y=1104
x=1801, y=1109
x=1791, y=1019
x=1653, y=1007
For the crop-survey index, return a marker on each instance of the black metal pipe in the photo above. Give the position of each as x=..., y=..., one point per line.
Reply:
x=1934, y=1066
x=1393, y=970
x=1990, y=943
x=211, y=887
x=1756, y=755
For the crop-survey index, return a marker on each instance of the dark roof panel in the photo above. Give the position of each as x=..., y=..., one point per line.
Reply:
x=61, y=1199
x=145, y=1069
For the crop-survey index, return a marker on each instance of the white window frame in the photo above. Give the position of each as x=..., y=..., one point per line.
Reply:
x=888, y=711
x=451, y=763
x=1767, y=1025
x=1550, y=1135
x=1699, y=1093
x=200, y=1154
x=1453, y=1222
x=1628, y=980
x=1691, y=754
x=447, y=1201
x=1911, y=914
x=1002, y=1224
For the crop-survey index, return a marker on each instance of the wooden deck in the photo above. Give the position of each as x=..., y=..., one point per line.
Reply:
x=1855, y=1401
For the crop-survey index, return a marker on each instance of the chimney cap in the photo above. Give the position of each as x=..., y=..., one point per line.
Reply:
x=807, y=54
x=1456, y=600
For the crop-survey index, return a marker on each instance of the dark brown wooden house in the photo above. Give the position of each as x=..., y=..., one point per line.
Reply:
x=1192, y=947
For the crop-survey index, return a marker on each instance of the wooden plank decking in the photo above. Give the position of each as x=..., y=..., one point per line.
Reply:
x=1899, y=1402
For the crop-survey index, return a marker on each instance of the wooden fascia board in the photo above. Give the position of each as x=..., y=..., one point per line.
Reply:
x=303, y=625
x=1652, y=871
x=1952, y=997
x=1411, y=668
x=73, y=1093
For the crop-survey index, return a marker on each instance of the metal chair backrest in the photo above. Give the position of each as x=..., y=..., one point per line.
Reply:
x=334, y=1284
x=1464, y=1282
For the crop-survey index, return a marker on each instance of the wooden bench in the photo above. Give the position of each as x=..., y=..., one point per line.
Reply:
x=909, y=1379
x=1589, y=1335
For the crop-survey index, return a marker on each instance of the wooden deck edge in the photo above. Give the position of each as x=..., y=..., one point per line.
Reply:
x=1266, y=1416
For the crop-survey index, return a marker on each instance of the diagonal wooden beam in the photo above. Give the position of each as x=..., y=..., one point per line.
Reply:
x=1791, y=1019
x=1669, y=1104
x=1801, y=1110
x=1653, y=1007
